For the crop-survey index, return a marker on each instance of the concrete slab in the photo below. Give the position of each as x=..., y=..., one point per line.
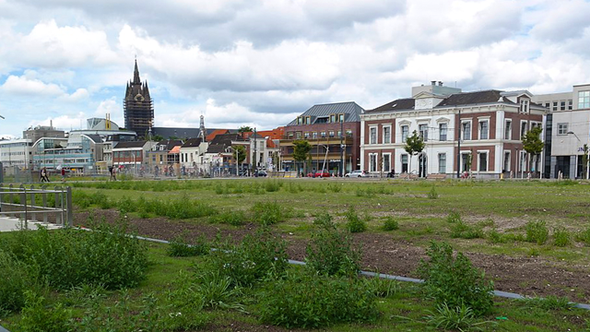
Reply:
x=13, y=224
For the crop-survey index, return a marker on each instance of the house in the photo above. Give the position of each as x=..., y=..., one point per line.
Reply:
x=132, y=155
x=476, y=132
x=333, y=132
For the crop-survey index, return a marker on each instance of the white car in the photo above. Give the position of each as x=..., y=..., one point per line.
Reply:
x=356, y=174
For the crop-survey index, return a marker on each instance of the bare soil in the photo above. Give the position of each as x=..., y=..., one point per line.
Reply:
x=532, y=276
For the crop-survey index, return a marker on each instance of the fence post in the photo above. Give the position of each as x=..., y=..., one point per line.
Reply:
x=69, y=204
x=1, y=197
x=23, y=203
x=10, y=200
x=44, y=193
x=33, y=206
x=58, y=217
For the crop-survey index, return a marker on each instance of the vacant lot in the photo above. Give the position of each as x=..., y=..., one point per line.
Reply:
x=531, y=238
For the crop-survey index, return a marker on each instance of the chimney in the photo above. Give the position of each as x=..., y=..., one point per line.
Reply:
x=433, y=82
x=440, y=83
x=51, y=124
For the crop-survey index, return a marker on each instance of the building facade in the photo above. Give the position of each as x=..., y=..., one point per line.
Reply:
x=138, y=106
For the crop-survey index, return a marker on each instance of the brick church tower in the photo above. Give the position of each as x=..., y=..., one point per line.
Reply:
x=138, y=106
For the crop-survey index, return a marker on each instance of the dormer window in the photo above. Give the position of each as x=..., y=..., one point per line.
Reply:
x=524, y=106
x=332, y=118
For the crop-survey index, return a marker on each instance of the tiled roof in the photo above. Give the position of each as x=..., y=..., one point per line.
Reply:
x=170, y=143
x=214, y=133
x=476, y=97
x=351, y=109
x=175, y=149
x=131, y=144
x=396, y=105
x=191, y=143
x=221, y=142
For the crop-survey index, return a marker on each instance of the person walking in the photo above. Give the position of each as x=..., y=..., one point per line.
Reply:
x=44, y=177
x=63, y=174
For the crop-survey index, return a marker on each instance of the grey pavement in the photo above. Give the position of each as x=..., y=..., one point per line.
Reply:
x=13, y=224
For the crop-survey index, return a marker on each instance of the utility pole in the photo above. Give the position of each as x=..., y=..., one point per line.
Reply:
x=341, y=146
x=459, y=145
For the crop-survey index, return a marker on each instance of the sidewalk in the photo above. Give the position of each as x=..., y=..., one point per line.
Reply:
x=13, y=224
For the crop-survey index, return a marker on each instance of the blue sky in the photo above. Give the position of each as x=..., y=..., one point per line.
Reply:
x=260, y=63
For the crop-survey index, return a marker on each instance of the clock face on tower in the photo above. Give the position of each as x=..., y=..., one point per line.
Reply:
x=139, y=97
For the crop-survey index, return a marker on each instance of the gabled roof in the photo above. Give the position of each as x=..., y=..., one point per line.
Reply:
x=221, y=142
x=175, y=150
x=396, y=105
x=192, y=143
x=214, y=133
x=130, y=144
x=170, y=143
x=276, y=133
x=476, y=97
x=351, y=109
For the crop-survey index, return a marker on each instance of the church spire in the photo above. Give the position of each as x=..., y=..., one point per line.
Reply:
x=203, y=132
x=136, y=74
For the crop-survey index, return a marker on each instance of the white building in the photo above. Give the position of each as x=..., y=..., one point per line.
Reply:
x=17, y=153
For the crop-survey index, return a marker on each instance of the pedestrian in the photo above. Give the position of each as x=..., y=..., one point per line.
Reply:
x=63, y=174
x=44, y=177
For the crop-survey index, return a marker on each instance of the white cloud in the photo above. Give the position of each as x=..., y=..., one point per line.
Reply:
x=22, y=86
x=64, y=122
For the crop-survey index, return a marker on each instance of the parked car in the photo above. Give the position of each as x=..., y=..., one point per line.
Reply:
x=260, y=173
x=356, y=174
x=319, y=174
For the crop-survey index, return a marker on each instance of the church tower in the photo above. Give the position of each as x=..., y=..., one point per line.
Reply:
x=138, y=106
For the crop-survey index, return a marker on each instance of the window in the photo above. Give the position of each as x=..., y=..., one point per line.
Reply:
x=404, y=163
x=423, y=129
x=506, y=161
x=465, y=160
x=555, y=106
x=290, y=135
x=339, y=133
x=386, y=162
x=483, y=162
x=372, y=162
x=387, y=134
x=562, y=105
x=323, y=134
x=332, y=118
x=562, y=129
x=442, y=163
x=508, y=130
x=405, y=132
x=523, y=160
x=299, y=120
x=348, y=133
x=314, y=135
x=308, y=120
x=523, y=129
x=298, y=135
x=341, y=117
x=331, y=133
x=322, y=120
x=466, y=128
x=583, y=99
x=570, y=104
x=442, y=129
x=483, y=129
x=524, y=106
x=373, y=135
x=547, y=104
x=306, y=135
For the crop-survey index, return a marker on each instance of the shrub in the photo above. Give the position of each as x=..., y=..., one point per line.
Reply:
x=454, y=281
x=432, y=194
x=460, y=318
x=268, y=213
x=36, y=317
x=355, y=224
x=561, y=237
x=70, y=257
x=390, y=224
x=464, y=231
x=258, y=256
x=235, y=218
x=382, y=287
x=179, y=247
x=330, y=252
x=453, y=217
x=495, y=237
x=584, y=237
x=536, y=232
x=13, y=284
x=324, y=220
x=314, y=301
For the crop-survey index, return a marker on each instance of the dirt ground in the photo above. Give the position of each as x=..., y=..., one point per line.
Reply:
x=532, y=276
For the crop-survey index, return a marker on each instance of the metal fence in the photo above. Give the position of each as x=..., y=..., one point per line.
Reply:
x=37, y=204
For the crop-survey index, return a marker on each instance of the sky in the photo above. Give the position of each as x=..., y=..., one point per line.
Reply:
x=263, y=62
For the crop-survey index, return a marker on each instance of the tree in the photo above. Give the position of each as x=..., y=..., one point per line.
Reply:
x=157, y=138
x=585, y=161
x=301, y=150
x=245, y=129
x=532, y=143
x=414, y=145
x=239, y=153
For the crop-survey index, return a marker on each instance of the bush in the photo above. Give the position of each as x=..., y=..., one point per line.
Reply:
x=453, y=217
x=235, y=218
x=460, y=318
x=584, y=237
x=330, y=252
x=495, y=237
x=258, y=256
x=324, y=220
x=382, y=287
x=13, y=284
x=536, y=232
x=314, y=301
x=70, y=257
x=268, y=213
x=390, y=224
x=464, y=231
x=454, y=281
x=355, y=224
x=561, y=237
x=36, y=317
x=432, y=194
x=179, y=247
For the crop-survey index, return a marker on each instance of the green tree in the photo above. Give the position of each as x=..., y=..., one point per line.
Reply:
x=245, y=129
x=301, y=150
x=532, y=143
x=239, y=153
x=157, y=138
x=414, y=145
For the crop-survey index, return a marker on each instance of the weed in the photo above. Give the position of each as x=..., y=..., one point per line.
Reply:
x=268, y=213
x=383, y=287
x=549, y=303
x=561, y=237
x=464, y=231
x=330, y=252
x=179, y=247
x=218, y=292
x=536, y=232
x=496, y=237
x=432, y=194
x=272, y=186
x=36, y=317
x=461, y=318
x=336, y=188
x=235, y=217
x=324, y=220
x=314, y=301
x=454, y=281
x=390, y=224
x=13, y=284
x=453, y=217
x=355, y=224
x=584, y=237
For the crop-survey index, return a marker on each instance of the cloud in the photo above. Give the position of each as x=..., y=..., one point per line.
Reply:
x=64, y=122
x=22, y=86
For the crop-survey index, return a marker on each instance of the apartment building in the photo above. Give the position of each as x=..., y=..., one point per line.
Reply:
x=476, y=132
